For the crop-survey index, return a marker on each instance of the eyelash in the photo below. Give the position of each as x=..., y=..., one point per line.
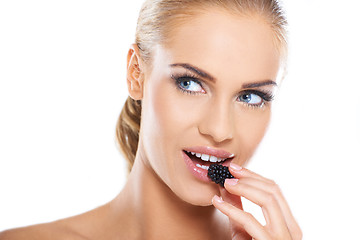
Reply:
x=178, y=79
x=266, y=96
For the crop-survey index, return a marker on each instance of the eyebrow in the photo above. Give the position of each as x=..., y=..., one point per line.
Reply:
x=208, y=76
x=259, y=84
x=194, y=69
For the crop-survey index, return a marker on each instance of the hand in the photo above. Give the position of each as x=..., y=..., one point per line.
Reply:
x=280, y=223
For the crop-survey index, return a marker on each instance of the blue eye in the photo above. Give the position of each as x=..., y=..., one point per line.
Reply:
x=188, y=84
x=256, y=98
x=251, y=99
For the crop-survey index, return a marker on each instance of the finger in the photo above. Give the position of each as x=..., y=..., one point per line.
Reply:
x=243, y=219
x=291, y=222
x=240, y=172
x=274, y=189
x=233, y=199
x=271, y=209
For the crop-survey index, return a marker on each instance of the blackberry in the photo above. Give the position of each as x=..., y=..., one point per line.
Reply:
x=218, y=173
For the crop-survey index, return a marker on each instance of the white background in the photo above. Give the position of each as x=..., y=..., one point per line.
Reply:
x=62, y=86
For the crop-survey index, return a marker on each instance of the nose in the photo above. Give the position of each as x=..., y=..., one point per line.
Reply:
x=217, y=122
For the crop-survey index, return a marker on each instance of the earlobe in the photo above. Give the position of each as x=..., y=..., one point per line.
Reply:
x=134, y=73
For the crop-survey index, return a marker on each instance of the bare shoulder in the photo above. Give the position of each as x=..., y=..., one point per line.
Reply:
x=80, y=227
x=54, y=231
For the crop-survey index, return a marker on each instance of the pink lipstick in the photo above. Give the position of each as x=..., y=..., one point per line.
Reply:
x=198, y=160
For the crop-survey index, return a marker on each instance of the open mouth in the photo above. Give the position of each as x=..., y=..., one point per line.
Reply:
x=204, y=161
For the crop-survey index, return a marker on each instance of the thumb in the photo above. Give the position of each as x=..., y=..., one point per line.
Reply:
x=237, y=232
x=231, y=198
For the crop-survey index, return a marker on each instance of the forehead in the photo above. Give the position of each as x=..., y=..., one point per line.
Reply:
x=226, y=45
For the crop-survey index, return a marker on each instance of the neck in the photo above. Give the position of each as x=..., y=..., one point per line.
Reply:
x=153, y=211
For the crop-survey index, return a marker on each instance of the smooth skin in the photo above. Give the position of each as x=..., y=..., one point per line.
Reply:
x=280, y=223
x=162, y=199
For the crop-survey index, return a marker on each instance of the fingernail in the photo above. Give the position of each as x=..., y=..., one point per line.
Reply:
x=235, y=167
x=231, y=181
x=218, y=199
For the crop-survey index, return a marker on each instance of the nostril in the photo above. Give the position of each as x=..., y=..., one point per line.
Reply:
x=219, y=123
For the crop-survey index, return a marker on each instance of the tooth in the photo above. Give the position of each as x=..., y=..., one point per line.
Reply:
x=202, y=166
x=192, y=153
x=198, y=155
x=213, y=159
x=205, y=157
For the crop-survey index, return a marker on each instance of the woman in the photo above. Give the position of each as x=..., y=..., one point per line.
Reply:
x=201, y=77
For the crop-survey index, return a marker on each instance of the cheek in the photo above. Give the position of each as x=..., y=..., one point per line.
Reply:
x=169, y=113
x=159, y=111
x=163, y=123
x=175, y=112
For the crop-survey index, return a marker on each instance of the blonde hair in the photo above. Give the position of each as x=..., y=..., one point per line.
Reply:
x=157, y=20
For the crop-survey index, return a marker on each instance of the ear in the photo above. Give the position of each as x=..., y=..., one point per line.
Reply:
x=134, y=75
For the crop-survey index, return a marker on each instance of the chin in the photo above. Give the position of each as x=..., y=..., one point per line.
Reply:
x=199, y=196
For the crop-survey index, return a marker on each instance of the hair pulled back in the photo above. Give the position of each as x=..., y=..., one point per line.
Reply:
x=157, y=20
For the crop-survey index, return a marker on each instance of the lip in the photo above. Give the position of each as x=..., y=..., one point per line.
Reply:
x=201, y=173
x=219, y=153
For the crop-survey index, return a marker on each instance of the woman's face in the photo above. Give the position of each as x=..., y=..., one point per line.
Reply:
x=209, y=89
